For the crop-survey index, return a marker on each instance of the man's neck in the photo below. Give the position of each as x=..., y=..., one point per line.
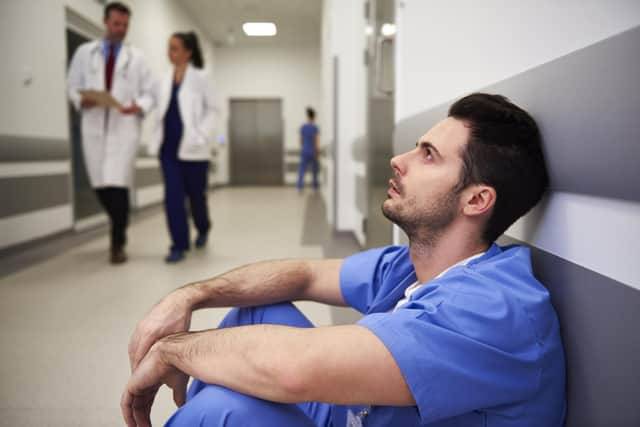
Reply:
x=449, y=249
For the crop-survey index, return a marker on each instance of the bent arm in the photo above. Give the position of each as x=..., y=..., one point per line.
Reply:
x=256, y=284
x=338, y=364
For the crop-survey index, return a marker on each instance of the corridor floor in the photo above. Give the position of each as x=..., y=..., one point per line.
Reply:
x=66, y=321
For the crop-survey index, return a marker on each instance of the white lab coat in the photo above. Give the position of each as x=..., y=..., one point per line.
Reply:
x=110, y=139
x=197, y=112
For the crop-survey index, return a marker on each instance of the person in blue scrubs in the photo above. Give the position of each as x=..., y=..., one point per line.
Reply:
x=309, y=144
x=183, y=128
x=457, y=331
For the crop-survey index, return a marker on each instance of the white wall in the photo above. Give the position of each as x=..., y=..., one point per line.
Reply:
x=447, y=49
x=343, y=37
x=291, y=74
x=33, y=42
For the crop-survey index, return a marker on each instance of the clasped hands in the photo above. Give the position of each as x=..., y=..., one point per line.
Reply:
x=149, y=368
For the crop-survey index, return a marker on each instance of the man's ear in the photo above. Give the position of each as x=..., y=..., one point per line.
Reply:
x=478, y=200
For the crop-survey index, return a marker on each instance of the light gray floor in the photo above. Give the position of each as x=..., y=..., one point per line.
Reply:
x=66, y=322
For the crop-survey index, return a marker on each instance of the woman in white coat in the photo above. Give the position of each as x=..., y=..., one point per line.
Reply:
x=181, y=136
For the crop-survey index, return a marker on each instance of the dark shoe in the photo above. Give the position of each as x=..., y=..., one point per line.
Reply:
x=176, y=255
x=118, y=256
x=201, y=241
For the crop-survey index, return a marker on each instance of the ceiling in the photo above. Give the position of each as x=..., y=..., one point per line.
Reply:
x=298, y=21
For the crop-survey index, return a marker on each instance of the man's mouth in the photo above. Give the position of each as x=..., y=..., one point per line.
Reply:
x=394, y=188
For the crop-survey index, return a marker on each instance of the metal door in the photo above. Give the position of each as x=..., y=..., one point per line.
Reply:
x=255, y=141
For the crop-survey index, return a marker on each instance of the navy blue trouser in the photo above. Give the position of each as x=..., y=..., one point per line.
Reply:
x=184, y=180
x=216, y=406
x=305, y=160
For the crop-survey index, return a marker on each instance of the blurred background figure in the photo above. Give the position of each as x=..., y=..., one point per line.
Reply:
x=309, y=145
x=110, y=136
x=182, y=132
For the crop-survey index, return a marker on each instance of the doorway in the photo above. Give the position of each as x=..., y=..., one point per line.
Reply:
x=86, y=207
x=256, y=142
x=380, y=120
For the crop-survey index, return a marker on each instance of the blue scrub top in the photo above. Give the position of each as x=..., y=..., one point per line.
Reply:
x=308, y=133
x=479, y=346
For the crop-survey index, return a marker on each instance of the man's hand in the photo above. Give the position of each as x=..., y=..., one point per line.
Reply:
x=132, y=109
x=169, y=316
x=87, y=103
x=152, y=372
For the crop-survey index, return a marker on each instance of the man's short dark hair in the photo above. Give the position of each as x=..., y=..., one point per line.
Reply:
x=311, y=114
x=118, y=7
x=505, y=152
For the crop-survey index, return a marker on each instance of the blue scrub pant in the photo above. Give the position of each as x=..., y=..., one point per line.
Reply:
x=216, y=406
x=305, y=160
x=182, y=180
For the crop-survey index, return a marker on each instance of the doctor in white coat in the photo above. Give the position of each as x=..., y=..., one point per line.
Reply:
x=110, y=136
x=183, y=128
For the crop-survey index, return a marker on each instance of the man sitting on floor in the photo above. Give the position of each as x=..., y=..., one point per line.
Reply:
x=457, y=331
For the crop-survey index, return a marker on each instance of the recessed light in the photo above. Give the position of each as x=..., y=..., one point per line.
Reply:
x=388, y=30
x=259, y=29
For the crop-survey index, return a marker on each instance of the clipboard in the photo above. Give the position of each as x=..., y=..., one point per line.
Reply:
x=101, y=97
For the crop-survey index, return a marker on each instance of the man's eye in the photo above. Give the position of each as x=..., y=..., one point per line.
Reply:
x=428, y=154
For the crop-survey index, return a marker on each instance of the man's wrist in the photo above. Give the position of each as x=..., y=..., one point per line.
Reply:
x=167, y=348
x=191, y=295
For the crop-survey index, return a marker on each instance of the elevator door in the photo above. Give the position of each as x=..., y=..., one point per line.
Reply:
x=255, y=141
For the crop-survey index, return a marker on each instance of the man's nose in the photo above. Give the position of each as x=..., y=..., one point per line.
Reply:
x=397, y=164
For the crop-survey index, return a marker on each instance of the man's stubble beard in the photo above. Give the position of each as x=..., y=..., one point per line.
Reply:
x=425, y=223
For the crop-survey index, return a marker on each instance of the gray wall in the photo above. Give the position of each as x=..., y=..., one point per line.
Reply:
x=587, y=104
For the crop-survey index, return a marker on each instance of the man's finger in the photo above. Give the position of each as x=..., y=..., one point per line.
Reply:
x=142, y=410
x=133, y=348
x=143, y=347
x=180, y=390
x=125, y=407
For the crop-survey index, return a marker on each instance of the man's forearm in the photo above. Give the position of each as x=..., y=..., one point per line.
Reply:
x=340, y=364
x=267, y=283
x=255, y=284
x=250, y=359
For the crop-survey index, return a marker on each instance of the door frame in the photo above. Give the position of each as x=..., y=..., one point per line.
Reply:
x=84, y=27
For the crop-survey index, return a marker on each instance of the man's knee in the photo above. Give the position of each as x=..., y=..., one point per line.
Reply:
x=274, y=314
x=216, y=406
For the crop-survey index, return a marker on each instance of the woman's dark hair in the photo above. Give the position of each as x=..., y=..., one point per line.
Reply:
x=311, y=114
x=117, y=6
x=504, y=151
x=190, y=42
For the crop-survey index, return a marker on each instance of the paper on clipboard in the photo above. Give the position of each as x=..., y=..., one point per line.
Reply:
x=101, y=97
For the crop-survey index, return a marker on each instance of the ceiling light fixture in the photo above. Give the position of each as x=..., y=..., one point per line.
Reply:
x=388, y=30
x=259, y=29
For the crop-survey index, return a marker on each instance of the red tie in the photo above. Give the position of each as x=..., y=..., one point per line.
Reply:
x=111, y=60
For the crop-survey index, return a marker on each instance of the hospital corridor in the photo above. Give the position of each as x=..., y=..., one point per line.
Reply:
x=319, y=213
